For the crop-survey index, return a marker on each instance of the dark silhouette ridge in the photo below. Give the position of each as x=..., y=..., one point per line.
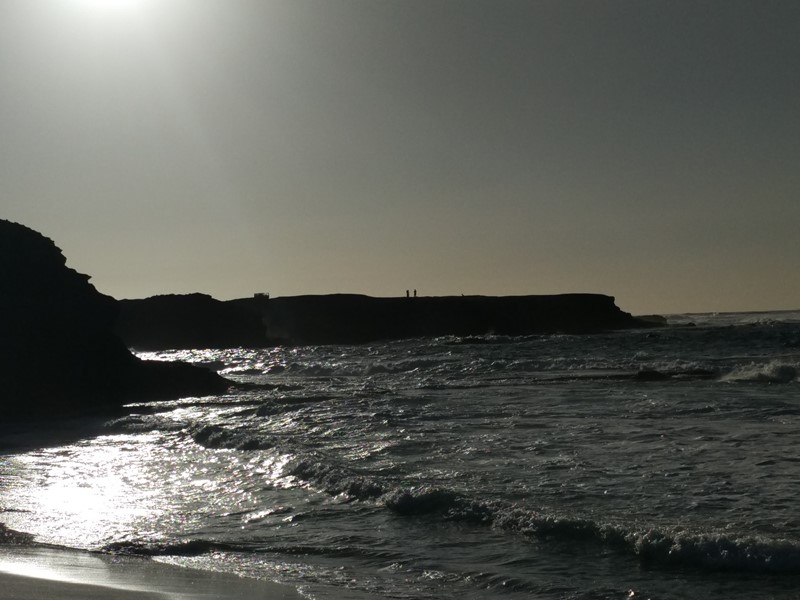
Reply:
x=58, y=354
x=191, y=321
x=355, y=319
x=197, y=320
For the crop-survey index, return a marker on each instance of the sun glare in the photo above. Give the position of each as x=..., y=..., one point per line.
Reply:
x=112, y=5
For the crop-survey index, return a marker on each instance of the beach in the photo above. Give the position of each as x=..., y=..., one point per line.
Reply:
x=30, y=573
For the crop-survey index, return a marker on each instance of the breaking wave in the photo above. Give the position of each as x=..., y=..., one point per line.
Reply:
x=706, y=551
x=699, y=550
x=772, y=372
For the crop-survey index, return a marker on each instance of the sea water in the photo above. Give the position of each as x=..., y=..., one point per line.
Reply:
x=658, y=463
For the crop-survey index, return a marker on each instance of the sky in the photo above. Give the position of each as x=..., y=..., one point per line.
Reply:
x=645, y=149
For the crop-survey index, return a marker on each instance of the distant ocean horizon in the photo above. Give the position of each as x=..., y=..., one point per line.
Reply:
x=658, y=463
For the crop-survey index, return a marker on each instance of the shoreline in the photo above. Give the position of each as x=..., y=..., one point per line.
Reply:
x=29, y=571
x=23, y=587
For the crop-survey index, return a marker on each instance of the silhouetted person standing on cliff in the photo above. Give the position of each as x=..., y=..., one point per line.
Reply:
x=415, y=293
x=407, y=294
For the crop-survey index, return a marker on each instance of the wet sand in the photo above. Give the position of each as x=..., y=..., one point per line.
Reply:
x=33, y=573
x=16, y=587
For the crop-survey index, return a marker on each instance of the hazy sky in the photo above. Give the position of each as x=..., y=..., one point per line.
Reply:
x=645, y=149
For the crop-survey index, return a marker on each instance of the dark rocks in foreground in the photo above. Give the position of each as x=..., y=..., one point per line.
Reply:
x=199, y=321
x=58, y=354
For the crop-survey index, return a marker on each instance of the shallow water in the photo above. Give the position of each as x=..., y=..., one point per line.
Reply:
x=659, y=463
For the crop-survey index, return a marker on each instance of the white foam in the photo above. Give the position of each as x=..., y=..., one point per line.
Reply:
x=771, y=372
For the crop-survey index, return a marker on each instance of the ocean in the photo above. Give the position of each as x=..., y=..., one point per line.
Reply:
x=658, y=463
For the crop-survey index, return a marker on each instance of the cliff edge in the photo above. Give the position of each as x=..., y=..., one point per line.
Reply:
x=58, y=354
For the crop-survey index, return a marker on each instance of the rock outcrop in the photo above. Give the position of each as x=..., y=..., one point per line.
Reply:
x=354, y=319
x=197, y=321
x=58, y=354
x=190, y=321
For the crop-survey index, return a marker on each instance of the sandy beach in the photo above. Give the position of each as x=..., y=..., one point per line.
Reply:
x=33, y=573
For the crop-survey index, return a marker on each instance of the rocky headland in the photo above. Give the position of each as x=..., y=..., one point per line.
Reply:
x=58, y=352
x=199, y=321
x=191, y=321
x=64, y=346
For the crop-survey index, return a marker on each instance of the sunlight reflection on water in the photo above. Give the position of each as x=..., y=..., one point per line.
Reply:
x=89, y=491
x=108, y=490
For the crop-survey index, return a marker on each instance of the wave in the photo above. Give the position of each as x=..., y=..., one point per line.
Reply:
x=449, y=504
x=290, y=400
x=707, y=551
x=699, y=550
x=772, y=372
x=200, y=546
x=475, y=340
x=194, y=547
x=741, y=319
x=216, y=436
x=335, y=480
x=142, y=423
x=341, y=548
x=717, y=552
x=403, y=366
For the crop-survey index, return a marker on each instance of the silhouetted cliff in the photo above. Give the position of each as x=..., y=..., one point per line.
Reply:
x=58, y=354
x=189, y=321
x=198, y=321
x=354, y=319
